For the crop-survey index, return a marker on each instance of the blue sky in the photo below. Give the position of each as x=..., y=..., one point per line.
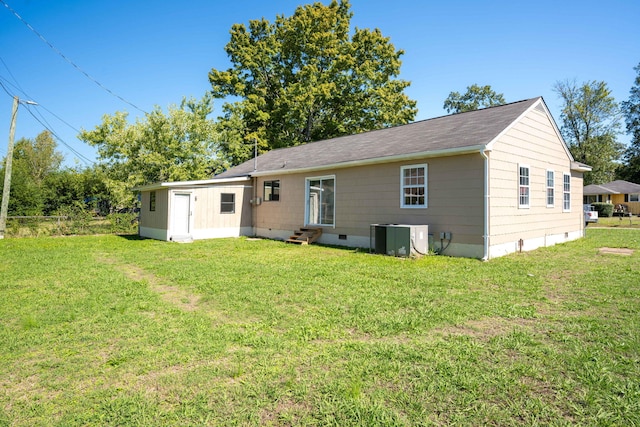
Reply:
x=155, y=52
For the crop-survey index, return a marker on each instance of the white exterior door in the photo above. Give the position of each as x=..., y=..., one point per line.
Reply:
x=181, y=214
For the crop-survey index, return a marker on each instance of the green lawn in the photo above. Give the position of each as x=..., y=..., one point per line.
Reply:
x=617, y=222
x=119, y=331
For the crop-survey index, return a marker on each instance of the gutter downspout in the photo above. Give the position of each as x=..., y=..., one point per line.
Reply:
x=487, y=198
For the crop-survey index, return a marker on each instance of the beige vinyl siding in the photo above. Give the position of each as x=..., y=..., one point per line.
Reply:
x=532, y=142
x=205, y=219
x=371, y=195
x=207, y=207
x=157, y=219
x=454, y=192
x=286, y=213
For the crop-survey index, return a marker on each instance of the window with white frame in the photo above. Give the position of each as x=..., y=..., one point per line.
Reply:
x=523, y=186
x=550, y=189
x=413, y=186
x=634, y=197
x=566, y=192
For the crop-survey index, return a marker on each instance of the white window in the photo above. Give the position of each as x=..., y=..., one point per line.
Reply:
x=413, y=186
x=566, y=192
x=550, y=189
x=634, y=197
x=320, y=207
x=523, y=186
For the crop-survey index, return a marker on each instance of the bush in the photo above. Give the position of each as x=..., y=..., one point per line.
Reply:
x=604, y=209
x=73, y=220
x=123, y=223
x=79, y=219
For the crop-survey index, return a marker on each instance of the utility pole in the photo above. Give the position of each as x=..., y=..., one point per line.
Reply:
x=7, y=171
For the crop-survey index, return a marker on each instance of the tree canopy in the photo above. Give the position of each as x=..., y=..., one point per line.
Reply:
x=631, y=110
x=304, y=78
x=40, y=185
x=179, y=146
x=474, y=98
x=33, y=161
x=590, y=126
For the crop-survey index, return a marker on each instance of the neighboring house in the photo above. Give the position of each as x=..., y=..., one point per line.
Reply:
x=486, y=183
x=615, y=192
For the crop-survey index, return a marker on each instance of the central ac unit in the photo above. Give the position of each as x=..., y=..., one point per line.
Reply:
x=400, y=239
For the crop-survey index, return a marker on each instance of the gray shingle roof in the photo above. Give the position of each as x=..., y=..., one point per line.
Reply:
x=447, y=133
x=614, y=187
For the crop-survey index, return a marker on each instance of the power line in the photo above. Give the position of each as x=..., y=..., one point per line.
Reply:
x=46, y=124
x=73, y=150
x=56, y=50
x=11, y=74
x=19, y=88
x=42, y=106
x=5, y=88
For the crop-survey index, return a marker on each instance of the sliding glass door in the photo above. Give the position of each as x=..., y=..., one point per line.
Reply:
x=320, y=206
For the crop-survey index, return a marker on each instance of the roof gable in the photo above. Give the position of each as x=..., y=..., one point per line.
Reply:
x=446, y=135
x=541, y=107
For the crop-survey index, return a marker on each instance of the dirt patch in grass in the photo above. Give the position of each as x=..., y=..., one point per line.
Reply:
x=615, y=251
x=485, y=329
x=287, y=411
x=172, y=294
x=223, y=371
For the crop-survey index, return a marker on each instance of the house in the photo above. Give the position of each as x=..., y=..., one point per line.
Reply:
x=615, y=192
x=486, y=183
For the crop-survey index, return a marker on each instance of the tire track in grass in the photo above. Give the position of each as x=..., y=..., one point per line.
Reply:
x=171, y=294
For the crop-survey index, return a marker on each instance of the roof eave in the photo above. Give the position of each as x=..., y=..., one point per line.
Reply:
x=580, y=167
x=198, y=183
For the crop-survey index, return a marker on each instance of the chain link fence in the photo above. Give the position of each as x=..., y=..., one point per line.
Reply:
x=69, y=225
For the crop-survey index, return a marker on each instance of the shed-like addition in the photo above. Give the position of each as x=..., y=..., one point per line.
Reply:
x=486, y=183
x=191, y=210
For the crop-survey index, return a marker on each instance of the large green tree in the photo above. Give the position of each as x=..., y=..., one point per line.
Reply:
x=78, y=188
x=33, y=161
x=474, y=98
x=177, y=146
x=631, y=110
x=307, y=77
x=590, y=126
